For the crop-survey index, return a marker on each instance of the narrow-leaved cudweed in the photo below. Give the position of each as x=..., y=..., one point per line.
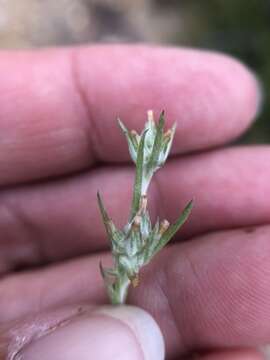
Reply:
x=138, y=242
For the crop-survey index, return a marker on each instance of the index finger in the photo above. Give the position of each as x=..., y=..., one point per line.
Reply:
x=58, y=107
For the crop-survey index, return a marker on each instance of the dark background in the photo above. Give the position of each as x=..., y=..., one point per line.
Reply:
x=237, y=27
x=240, y=28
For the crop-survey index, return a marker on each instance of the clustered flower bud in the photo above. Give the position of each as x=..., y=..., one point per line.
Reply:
x=157, y=146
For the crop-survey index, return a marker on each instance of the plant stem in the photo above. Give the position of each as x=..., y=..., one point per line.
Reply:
x=121, y=290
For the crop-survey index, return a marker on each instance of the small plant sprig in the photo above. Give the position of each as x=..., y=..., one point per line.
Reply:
x=138, y=242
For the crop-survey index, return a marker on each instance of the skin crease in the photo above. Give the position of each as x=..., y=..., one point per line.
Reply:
x=209, y=292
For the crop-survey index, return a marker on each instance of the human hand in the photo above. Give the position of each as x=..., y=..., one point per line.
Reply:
x=59, y=143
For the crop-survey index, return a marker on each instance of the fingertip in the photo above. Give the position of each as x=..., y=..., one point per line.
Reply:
x=247, y=89
x=110, y=332
x=144, y=327
x=227, y=97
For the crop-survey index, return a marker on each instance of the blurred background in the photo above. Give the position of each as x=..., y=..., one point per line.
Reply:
x=237, y=27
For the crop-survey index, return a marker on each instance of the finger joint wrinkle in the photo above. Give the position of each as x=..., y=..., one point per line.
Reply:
x=93, y=135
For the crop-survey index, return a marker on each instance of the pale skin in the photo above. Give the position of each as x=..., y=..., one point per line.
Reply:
x=60, y=143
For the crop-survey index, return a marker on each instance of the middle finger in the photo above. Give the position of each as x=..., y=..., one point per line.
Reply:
x=60, y=219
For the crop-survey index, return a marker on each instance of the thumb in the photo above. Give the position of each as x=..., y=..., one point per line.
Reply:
x=121, y=332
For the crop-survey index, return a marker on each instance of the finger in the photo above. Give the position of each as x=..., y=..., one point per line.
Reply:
x=58, y=108
x=210, y=293
x=105, y=333
x=59, y=220
x=241, y=354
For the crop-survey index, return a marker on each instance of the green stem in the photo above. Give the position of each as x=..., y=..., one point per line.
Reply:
x=120, y=291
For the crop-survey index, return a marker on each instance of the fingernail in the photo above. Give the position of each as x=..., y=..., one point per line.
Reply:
x=143, y=326
x=121, y=332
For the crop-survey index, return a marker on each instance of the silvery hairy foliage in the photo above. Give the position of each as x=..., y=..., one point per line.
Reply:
x=139, y=241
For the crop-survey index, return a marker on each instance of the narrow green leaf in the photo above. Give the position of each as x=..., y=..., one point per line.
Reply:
x=167, y=144
x=116, y=236
x=171, y=231
x=108, y=282
x=104, y=214
x=157, y=143
x=135, y=242
x=122, y=126
x=146, y=225
x=102, y=271
x=138, y=178
x=107, y=272
x=117, y=248
x=134, y=138
x=151, y=243
x=132, y=142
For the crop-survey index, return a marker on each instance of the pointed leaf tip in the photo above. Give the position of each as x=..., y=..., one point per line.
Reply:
x=153, y=161
x=172, y=230
x=139, y=176
x=101, y=269
x=162, y=119
x=162, y=115
x=104, y=215
x=102, y=208
x=122, y=126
